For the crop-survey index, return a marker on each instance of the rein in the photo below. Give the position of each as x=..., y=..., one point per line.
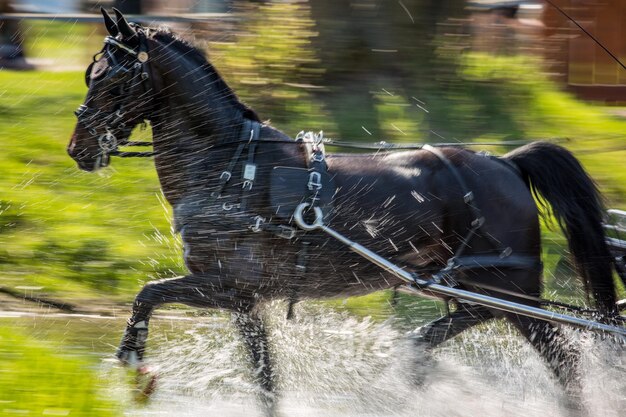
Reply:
x=376, y=146
x=125, y=154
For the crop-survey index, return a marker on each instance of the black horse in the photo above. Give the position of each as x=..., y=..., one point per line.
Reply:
x=217, y=166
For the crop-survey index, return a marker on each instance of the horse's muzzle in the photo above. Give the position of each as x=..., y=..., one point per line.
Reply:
x=87, y=158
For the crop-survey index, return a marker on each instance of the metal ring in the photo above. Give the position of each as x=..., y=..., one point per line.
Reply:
x=299, y=218
x=107, y=142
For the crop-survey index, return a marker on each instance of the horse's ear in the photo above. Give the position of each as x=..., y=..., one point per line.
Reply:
x=109, y=23
x=122, y=24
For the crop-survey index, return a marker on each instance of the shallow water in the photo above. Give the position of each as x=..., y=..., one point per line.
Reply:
x=333, y=364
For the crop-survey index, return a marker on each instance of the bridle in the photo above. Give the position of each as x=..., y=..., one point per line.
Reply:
x=134, y=82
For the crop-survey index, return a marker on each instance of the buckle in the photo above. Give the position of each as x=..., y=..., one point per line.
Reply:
x=478, y=222
x=230, y=206
x=318, y=156
x=226, y=175
x=315, y=181
x=258, y=223
x=249, y=172
x=286, y=232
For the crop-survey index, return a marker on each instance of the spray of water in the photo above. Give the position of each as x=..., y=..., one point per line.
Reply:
x=333, y=364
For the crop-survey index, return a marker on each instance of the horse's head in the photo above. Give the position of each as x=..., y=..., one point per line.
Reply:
x=119, y=96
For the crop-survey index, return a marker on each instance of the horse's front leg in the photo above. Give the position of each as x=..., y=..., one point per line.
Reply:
x=193, y=290
x=254, y=335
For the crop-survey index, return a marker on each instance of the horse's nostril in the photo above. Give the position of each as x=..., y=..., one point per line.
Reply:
x=71, y=147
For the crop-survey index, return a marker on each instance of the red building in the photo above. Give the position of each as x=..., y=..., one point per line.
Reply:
x=573, y=58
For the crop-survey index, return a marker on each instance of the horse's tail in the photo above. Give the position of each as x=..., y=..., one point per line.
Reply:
x=556, y=178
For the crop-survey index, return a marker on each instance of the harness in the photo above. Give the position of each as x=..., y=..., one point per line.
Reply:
x=289, y=187
x=294, y=192
x=134, y=82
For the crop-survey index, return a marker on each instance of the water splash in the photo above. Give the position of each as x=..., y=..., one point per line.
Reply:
x=334, y=364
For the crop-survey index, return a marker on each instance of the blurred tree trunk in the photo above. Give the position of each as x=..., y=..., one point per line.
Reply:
x=410, y=47
x=11, y=42
x=129, y=6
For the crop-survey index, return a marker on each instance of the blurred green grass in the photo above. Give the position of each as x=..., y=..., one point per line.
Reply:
x=38, y=379
x=529, y=105
x=62, y=229
x=66, y=44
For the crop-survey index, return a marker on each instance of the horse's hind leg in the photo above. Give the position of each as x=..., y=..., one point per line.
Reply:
x=561, y=355
x=193, y=290
x=438, y=331
x=254, y=335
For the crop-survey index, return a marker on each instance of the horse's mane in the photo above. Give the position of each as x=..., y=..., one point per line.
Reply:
x=195, y=53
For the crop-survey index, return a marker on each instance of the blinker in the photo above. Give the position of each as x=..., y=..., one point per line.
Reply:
x=96, y=70
x=99, y=68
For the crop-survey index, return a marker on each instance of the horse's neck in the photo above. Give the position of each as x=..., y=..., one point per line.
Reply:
x=180, y=154
x=185, y=169
x=192, y=118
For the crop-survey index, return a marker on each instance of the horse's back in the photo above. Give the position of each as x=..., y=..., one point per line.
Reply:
x=407, y=184
x=413, y=208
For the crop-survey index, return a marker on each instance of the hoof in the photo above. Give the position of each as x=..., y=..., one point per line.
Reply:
x=145, y=383
x=421, y=372
x=423, y=364
x=268, y=403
